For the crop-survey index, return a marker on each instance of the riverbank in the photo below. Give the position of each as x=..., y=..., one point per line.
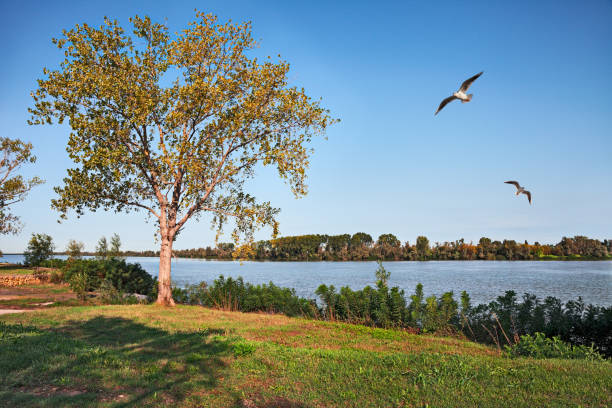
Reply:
x=70, y=352
x=193, y=356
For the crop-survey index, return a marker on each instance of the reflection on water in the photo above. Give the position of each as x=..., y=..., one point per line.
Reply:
x=483, y=280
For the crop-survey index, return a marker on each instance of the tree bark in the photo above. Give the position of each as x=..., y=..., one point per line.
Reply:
x=164, y=294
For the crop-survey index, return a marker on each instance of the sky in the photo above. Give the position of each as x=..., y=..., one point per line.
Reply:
x=541, y=114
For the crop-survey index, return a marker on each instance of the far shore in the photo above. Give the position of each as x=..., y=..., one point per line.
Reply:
x=544, y=258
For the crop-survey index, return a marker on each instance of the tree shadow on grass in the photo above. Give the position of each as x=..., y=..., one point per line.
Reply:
x=107, y=360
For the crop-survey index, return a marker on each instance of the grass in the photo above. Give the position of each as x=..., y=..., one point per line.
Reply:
x=187, y=356
x=10, y=269
x=31, y=296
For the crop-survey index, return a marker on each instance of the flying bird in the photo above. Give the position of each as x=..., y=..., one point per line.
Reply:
x=460, y=94
x=520, y=189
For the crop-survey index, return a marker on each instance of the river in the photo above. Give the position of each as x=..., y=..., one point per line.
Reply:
x=483, y=280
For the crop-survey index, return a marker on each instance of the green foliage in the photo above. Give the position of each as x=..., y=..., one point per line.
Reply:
x=317, y=247
x=125, y=277
x=388, y=239
x=422, y=247
x=102, y=248
x=115, y=246
x=242, y=348
x=173, y=123
x=79, y=283
x=236, y=295
x=75, y=249
x=540, y=346
x=53, y=263
x=13, y=187
x=572, y=322
x=40, y=248
x=382, y=276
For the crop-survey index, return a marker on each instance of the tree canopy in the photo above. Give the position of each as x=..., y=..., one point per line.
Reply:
x=175, y=124
x=13, y=187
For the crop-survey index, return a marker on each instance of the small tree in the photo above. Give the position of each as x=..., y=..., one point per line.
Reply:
x=174, y=125
x=39, y=249
x=13, y=187
x=422, y=247
x=115, y=246
x=382, y=276
x=102, y=248
x=75, y=249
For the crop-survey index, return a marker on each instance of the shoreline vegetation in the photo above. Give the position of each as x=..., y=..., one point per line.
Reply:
x=234, y=344
x=501, y=322
x=361, y=247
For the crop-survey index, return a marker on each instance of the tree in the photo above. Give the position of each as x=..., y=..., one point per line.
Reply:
x=102, y=248
x=422, y=246
x=382, y=276
x=180, y=148
x=361, y=238
x=13, y=187
x=115, y=248
x=75, y=249
x=389, y=239
x=39, y=249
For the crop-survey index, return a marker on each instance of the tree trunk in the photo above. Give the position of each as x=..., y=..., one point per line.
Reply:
x=164, y=294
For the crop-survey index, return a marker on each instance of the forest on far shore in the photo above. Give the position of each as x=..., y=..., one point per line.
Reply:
x=362, y=247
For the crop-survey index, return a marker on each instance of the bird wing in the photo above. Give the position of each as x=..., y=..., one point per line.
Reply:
x=445, y=102
x=516, y=184
x=528, y=194
x=466, y=84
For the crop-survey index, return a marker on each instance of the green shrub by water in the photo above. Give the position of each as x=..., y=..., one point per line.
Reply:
x=236, y=295
x=123, y=276
x=540, y=346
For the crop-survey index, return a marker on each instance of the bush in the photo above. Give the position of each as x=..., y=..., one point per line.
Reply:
x=573, y=322
x=540, y=346
x=125, y=277
x=234, y=294
x=109, y=294
x=79, y=283
x=56, y=277
x=53, y=263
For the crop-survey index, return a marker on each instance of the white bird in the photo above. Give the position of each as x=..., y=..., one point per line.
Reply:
x=520, y=189
x=460, y=94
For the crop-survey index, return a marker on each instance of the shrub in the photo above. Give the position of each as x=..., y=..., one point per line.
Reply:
x=540, y=346
x=573, y=322
x=110, y=294
x=235, y=294
x=79, y=283
x=125, y=277
x=53, y=263
x=56, y=277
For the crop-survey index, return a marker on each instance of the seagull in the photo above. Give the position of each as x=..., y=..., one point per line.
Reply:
x=520, y=189
x=460, y=94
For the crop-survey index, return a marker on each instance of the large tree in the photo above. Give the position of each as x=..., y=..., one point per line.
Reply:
x=13, y=187
x=175, y=124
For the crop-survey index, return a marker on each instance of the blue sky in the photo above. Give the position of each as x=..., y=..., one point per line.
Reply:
x=541, y=114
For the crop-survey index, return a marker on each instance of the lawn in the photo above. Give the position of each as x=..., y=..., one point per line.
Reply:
x=11, y=269
x=187, y=356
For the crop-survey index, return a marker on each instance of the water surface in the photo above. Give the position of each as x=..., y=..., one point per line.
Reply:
x=483, y=280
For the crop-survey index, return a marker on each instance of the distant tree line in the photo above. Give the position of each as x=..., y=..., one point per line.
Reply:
x=362, y=247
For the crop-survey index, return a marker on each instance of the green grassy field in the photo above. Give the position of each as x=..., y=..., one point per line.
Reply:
x=132, y=356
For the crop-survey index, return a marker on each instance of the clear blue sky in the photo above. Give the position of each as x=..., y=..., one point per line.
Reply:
x=541, y=114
